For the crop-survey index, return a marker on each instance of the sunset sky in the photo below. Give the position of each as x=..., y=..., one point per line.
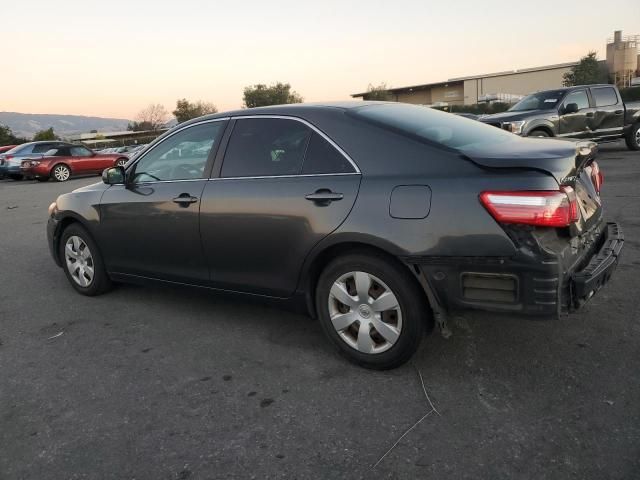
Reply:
x=113, y=58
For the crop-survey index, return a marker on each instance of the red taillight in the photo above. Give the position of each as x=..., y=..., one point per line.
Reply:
x=541, y=208
x=8, y=157
x=596, y=176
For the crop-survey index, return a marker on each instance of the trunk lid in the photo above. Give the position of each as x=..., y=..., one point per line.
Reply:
x=569, y=162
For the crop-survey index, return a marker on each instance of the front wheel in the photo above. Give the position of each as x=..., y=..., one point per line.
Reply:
x=82, y=262
x=121, y=162
x=371, y=310
x=633, y=138
x=61, y=173
x=539, y=133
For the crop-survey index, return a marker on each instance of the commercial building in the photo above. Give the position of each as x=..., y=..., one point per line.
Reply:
x=505, y=86
x=623, y=63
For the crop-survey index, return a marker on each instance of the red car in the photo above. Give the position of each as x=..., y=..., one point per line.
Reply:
x=6, y=148
x=64, y=161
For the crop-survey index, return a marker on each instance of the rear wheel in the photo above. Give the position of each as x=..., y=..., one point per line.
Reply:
x=42, y=179
x=60, y=173
x=633, y=137
x=82, y=262
x=371, y=310
x=16, y=177
x=539, y=133
x=121, y=162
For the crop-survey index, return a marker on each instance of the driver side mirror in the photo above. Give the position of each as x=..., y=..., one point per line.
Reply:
x=570, y=108
x=114, y=175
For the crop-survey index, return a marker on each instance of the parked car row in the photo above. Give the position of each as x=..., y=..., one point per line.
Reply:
x=55, y=160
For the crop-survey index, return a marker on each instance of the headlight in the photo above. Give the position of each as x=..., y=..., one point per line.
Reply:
x=515, y=127
x=52, y=208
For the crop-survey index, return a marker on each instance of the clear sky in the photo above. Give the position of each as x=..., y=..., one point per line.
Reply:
x=112, y=58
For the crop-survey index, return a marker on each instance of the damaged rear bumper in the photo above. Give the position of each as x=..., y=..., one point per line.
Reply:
x=528, y=283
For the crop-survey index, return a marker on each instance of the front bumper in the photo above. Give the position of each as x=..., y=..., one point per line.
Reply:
x=525, y=284
x=52, y=239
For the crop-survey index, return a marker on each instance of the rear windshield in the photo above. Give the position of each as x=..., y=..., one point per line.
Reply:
x=440, y=128
x=28, y=148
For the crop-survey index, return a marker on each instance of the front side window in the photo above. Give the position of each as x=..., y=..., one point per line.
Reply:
x=604, y=96
x=578, y=97
x=322, y=157
x=182, y=156
x=80, y=152
x=266, y=147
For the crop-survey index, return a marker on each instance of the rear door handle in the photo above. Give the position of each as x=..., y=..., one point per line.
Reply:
x=619, y=112
x=324, y=197
x=184, y=200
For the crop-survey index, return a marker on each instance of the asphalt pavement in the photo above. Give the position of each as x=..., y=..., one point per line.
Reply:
x=175, y=383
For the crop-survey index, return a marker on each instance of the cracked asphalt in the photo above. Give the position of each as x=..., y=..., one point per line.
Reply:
x=172, y=383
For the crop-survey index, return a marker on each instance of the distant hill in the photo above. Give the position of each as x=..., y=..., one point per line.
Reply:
x=27, y=124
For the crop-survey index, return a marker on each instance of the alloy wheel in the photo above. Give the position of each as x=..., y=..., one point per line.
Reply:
x=79, y=261
x=638, y=137
x=121, y=163
x=61, y=173
x=365, y=312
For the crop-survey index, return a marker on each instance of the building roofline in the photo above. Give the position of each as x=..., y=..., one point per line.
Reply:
x=473, y=77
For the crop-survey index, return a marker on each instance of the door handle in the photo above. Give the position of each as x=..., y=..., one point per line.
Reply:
x=589, y=114
x=324, y=197
x=619, y=112
x=184, y=200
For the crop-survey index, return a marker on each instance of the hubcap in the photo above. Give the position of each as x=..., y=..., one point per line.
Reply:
x=61, y=173
x=638, y=137
x=365, y=312
x=79, y=261
x=121, y=163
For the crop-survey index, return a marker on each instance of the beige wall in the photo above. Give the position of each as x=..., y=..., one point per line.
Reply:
x=421, y=97
x=452, y=93
x=518, y=83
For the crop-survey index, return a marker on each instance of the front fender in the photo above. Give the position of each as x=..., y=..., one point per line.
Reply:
x=538, y=123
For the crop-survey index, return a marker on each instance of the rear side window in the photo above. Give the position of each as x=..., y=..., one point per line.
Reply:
x=578, y=97
x=322, y=157
x=604, y=96
x=43, y=147
x=266, y=147
x=80, y=152
x=434, y=127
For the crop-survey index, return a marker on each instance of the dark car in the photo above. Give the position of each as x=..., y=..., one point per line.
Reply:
x=382, y=218
x=592, y=112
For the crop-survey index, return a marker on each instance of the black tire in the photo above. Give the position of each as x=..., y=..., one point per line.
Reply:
x=16, y=177
x=414, y=309
x=101, y=283
x=633, y=138
x=62, y=168
x=42, y=179
x=539, y=133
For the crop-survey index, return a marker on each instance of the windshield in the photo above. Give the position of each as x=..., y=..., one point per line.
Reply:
x=20, y=149
x=539, y=101
x=441, y=128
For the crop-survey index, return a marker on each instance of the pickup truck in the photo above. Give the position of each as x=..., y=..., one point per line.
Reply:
x=592, y=112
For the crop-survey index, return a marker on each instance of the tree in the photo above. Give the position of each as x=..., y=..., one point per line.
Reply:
x=47, y=134
x=185, y=110
x=378, y=92
x=154, y=116
x=139, y=126
x=8, y=138
x=261, y=95
x=588, y=71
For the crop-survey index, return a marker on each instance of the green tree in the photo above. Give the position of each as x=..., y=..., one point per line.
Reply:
x=588, y=71
x=185, y=110
x=139, y=126
x=8, y=138
x=47, y=134
x=378, y=92
x=261, y=95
